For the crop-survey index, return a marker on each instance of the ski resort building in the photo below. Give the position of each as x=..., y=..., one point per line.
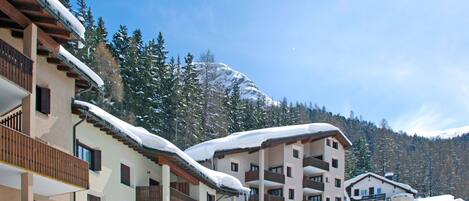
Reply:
x=301, y=162
x=53, y=148
x=370, y=187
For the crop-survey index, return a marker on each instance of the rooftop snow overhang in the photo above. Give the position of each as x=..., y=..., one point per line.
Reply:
x=349, y=183
x=149, y=152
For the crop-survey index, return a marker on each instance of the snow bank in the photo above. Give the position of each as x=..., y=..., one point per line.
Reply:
x=151, y=141
x=439, y=198
x=72, y=60
x=255, y=138
x=59, y=11
x=359, y=177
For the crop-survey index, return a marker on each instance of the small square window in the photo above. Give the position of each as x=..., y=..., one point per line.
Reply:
x=337, y=183
x=291, y=194
x=356, y=192
x=335, y=145
x=289, y=171
x=328, y=142
x=335, y=163
x=234, y=167
x=296, y=153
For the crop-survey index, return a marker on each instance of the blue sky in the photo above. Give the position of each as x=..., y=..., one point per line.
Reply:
x=406, y=61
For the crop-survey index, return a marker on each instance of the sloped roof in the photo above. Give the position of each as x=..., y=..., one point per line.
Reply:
x=263, y=138
x=358, y=178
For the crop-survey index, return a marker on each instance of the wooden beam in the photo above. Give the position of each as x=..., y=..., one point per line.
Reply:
x=54, y=60
x=178, y=171
x=43, y=20
x=43, y=52
x=6, y=23
x=72, y=75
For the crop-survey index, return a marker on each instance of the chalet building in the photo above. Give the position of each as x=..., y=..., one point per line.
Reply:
x=370, y=187
x=54, y=149
x=301, y=162
x=129, y=163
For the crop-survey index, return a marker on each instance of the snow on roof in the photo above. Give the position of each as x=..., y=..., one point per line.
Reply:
x=152, y=141
x=68, y=58
x=439, y=198
x=59, y=11
x=359, y=177
x=255, y=138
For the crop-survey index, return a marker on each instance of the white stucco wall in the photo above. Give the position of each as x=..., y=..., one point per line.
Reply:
x=368, y=182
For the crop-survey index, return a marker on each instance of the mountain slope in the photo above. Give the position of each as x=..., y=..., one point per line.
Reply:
x=225, y=76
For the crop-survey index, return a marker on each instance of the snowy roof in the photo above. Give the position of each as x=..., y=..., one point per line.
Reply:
x=439, y=198
x=72, y=61
x=151, y=141
x=60, y=12
x=360, y=177
x=261, y=137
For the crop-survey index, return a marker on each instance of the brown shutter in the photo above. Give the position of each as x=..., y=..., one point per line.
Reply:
x=43, y=102
x=96, y=160
x=125, y=174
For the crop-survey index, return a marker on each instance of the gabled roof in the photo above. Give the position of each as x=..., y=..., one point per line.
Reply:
x=359, y=178
x=262, y=138
x=153, y=146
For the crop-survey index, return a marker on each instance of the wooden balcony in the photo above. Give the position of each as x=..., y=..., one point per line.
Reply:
x=318, y=186
x=20, y=150
x=12, y=119
x=314, y=162
x=268, y=176
x=15, y=66
x=155, y=193
x=267, y=197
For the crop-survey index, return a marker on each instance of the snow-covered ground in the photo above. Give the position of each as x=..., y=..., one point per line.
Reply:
x=439, y=198
x=226, y=76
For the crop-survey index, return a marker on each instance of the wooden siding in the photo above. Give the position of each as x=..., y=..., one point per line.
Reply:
x=312, y=161
x=23, y=151
x=155, y=193
x=15, y=66
x=270, y=176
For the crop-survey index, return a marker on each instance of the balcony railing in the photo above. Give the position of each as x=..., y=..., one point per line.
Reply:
x=267, y=197
x=374, y=197
x=307, y=183
x=270, y=176
x=15, y=66
x=12, y=119
x=155, y=193
x=311, y=161
x=23, y=151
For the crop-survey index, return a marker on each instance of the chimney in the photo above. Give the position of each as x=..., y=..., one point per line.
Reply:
x=389, y=175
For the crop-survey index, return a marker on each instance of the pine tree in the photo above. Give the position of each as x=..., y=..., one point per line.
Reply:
x=235, y=110
x=362, y=154
x=101, y=32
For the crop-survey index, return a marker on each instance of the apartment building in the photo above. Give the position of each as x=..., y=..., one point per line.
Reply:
x=370, y=187
x=129, y=163
x=54, y=149
x=300, y=162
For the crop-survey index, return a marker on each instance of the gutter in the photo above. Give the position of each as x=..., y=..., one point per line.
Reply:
x=74, y=138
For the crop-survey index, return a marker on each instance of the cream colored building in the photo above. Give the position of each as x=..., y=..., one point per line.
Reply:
x=301, y=162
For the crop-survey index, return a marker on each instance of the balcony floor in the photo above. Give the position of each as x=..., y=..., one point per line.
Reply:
x=10, y=176
x=12, y=95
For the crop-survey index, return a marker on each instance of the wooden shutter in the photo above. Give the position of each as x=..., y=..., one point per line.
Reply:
x=43, y=100
x=125, y=174
x=96, y=166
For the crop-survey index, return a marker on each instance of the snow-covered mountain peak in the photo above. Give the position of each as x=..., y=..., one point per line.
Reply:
x=449, y=133
x=225, y=76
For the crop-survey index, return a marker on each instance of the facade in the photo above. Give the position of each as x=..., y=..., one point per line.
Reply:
x=308, y=165
x=370, y=186
x=52, y=149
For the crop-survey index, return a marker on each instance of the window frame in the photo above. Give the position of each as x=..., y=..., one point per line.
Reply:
x=291, y=194
x=356, y=192
x=336, y=163
x=43, y=100
x=338, y=183
x=234, y=166
x=289, y=171
x=125, y=174
x=210, y=197
x=328, y=142
x=296, y=153
x=335, y=145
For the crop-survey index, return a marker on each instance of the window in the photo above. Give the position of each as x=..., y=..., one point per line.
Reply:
x=93, y=198
x=291, y=194
x=210, y=197
x=356, y=192
x=327, y=180
x=92, y=156
x=335, y=145
x=278, y=169
x=234, y=167
x=315, y=198
x=289, y=171
x=125, y=174
x=328, y=199
x=296, y=153
x=316, y=178
x=371, y=190
x=43, y=100
x=378, y=191
x=277, y=192
x=254, y=191
x=254, y=167
x=337, y=183
x=328, y=142
x=363, y=192
x=154, y=182
x=335, y=163
x=338, y=199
